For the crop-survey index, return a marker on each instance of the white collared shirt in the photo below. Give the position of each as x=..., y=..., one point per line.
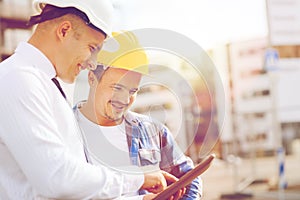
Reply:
x=41, y=150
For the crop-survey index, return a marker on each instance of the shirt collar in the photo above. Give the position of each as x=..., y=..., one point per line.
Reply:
x=131, y=119
x=36, y=58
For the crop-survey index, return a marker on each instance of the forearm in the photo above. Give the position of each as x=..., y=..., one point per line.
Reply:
x=61, y=175
x=85, y=181
x=179, y=166
x=194, y=190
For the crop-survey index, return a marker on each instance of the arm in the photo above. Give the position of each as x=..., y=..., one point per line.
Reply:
x=175, y=162
x=54, y=168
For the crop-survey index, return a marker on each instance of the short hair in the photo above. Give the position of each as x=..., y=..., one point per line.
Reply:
x=99, y=71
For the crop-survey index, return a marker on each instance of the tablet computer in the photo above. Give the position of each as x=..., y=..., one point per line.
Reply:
x=186, y=178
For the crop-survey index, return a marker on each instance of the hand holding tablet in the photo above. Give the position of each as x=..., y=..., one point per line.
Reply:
x=186, y=178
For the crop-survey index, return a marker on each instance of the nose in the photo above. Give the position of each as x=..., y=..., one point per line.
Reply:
x=91, y=62
x=122, y=96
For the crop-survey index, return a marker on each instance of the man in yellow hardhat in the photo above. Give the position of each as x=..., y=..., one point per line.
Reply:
x=120, y=138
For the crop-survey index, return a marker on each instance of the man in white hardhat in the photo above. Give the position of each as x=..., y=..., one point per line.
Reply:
x=108, y=125
x=41, y=148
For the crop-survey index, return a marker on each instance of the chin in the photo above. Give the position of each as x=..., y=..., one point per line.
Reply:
x=117, y=118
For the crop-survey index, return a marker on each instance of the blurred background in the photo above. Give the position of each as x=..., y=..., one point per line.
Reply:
x=244, y=106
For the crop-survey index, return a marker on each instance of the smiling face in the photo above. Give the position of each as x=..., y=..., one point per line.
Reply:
x=77, y=45
x=114, y=94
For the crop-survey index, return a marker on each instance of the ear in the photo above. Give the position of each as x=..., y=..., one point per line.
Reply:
x=92, y=79
x=63, y=29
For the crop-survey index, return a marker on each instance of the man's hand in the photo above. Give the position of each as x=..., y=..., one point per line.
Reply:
x=169, y=177
x=154, y=182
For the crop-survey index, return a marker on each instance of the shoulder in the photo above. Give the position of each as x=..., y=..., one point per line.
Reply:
x=136, y=117
x=16, y=70
x=26, y=65
x=25, y=78
x=24, y=84
x=133, y=115
x=77, y=106
x=147, y=122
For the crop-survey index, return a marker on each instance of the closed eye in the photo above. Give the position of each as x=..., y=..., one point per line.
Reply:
x=116, y=87
x=92, y=48
x=133, y=91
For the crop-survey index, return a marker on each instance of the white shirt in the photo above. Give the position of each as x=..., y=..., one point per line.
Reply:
x=111, y=140
x=107, y=145
x=41, y=148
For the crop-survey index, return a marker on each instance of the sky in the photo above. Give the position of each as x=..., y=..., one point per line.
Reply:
x=208, y=22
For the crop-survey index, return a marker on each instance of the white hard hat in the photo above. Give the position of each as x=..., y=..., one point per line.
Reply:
x=99, y=12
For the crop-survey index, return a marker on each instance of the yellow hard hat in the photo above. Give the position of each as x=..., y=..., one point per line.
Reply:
x=128, y=54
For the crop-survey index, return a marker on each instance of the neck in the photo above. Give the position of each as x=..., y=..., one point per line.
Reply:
x=106, y=122
x=44, y=45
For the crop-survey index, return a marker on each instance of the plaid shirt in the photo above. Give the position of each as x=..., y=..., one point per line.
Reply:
x=151, y=143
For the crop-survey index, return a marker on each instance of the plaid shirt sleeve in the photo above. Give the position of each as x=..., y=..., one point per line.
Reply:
x=175, y=162
x=154, y=138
